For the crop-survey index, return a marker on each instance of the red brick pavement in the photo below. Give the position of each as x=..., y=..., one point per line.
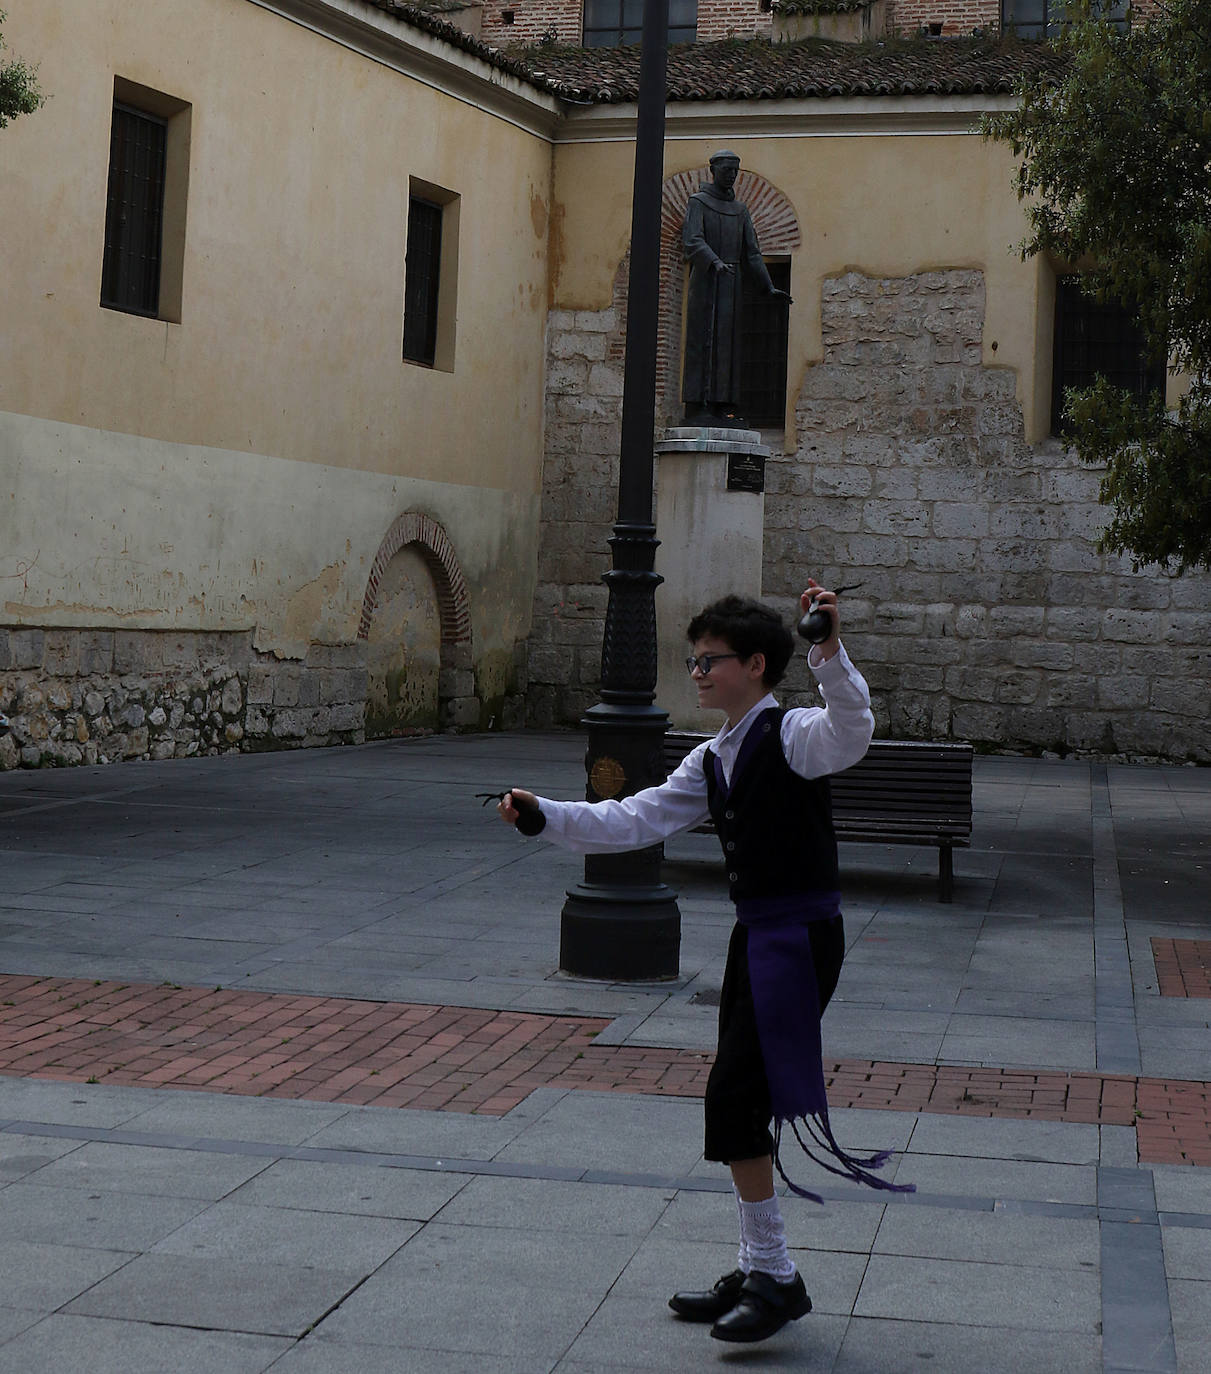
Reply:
x=1183, y=967
x=399, y=1054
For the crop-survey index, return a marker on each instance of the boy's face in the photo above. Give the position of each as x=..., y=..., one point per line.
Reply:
x=734, y=685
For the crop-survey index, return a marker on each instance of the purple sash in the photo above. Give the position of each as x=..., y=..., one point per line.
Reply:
x=786, y=1005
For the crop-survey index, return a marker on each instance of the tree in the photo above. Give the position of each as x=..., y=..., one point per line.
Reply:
x=1115, y=176
x=19, y=93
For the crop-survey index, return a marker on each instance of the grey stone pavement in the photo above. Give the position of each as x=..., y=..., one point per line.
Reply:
x=165, y=1230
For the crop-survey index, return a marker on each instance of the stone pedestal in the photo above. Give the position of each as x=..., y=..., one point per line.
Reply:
x=710, y=512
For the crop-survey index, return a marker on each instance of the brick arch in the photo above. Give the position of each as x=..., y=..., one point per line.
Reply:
x=778, y=232
x=434, y=546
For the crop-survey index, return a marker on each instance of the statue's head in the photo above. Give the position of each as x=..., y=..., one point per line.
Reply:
x=725, y=167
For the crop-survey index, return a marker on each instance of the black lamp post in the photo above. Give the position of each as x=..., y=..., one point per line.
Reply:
x=622, y=922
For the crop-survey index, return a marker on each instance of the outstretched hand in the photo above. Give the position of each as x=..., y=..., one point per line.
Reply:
x=505, y=808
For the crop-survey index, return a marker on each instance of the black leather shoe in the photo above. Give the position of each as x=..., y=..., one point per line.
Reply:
x=764, y=1306
x=714, y=1303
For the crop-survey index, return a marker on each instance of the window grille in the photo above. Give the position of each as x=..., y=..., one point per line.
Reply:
x=763, y=328
x=422, y=271
x=616, y=23
x=134, y=212
x=1094, y=339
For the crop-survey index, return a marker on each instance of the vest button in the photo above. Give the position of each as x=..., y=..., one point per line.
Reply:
x=733, y=877
x=731, y=844
x=729, y=815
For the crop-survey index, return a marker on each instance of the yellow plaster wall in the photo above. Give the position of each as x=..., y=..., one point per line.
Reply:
x=880, y=204
x=288, y=348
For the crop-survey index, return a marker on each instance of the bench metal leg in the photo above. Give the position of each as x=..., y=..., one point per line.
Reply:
x=946, y=873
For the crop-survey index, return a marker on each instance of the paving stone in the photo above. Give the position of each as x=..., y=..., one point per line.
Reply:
x=907, y=1347
x=1190, y=1305
x=614, y=1131
x=304, y=1185
x=1187, y=1254
x=41, y=1277
x=966, y=1294
x=126, y=1347
x=80, y=1104
x=14, y=1320
x=216, y=1294
x=140, y=1169
x=404, y=1131
x=214, y=1116
x=101, y=1221
x=1053, y=1142
x=425, y=1288
x=995, y=1178
x=552, y=1206
x=273, y=1235
x=318, y=1354
x=989, y=1237
x=22, y=1155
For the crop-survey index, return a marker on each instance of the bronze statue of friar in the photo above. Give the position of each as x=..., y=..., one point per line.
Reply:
x=721, y=247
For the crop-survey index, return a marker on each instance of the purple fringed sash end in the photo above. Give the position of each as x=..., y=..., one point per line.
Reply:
x=786, y=1004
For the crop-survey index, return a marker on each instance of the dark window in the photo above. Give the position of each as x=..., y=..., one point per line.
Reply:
x=134, y=212
x=1039, y=18
x=763, y=363
x=615, y=23
x=1097, y=340
x=422, y=270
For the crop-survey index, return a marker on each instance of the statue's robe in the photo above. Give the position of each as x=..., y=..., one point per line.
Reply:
x=717, y=229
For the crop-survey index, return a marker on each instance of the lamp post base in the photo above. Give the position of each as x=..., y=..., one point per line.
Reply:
x=622, y=923
x=620, y=933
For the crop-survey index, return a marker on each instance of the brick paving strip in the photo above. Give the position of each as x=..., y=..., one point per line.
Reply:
x=1183, y=967
x=462, y=1059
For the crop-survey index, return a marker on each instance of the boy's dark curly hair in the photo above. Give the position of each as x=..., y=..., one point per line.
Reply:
x=747, y=627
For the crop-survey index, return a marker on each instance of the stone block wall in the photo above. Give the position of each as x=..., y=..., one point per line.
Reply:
x=985, y=612
x=88, y=696
x=579, y=507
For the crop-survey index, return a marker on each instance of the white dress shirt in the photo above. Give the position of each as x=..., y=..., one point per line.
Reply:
x=815, y=739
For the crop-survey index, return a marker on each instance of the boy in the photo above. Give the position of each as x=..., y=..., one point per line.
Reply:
x=762, y=781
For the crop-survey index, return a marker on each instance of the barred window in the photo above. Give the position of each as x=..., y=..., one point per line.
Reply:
x=1094, y=339
x=422, y=280
x=616, y=23
x=134, y=212
x=763, y=359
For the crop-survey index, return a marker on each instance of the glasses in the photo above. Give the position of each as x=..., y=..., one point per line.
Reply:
x=705, y=662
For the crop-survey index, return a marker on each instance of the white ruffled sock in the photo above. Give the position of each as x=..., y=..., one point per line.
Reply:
x=763, y=1236
x=743, y=1262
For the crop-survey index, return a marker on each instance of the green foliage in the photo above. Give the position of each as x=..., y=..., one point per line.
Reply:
x=1115, y=176
x=19, y=93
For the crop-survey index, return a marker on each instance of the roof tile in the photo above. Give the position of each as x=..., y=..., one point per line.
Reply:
x=758, y=69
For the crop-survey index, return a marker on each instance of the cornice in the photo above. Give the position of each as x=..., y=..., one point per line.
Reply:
x=834, y=117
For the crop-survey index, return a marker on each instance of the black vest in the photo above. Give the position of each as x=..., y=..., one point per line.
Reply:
x=775, y=827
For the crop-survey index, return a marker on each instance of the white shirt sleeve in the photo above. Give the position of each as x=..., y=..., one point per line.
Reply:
x=815, y=739
x=825, y=739
x=648, y=817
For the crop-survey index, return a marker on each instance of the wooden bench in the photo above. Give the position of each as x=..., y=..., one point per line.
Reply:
x=902, y=792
